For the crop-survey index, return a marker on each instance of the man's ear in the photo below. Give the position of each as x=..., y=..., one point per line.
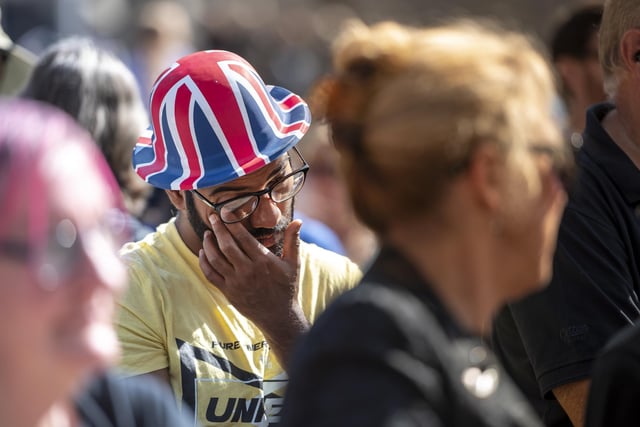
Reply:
x=177, y=198
x=630, y=48
x=485, y=173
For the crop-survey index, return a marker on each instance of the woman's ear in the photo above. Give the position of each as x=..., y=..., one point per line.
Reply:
x=486, y=172
x=177, y=198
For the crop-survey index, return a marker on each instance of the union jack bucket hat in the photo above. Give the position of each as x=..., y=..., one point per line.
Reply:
x=213, y=119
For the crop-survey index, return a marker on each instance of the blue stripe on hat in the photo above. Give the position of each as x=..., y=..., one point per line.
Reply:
x=215, y=162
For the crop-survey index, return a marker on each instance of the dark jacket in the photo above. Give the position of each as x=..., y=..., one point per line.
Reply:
x=387, y=353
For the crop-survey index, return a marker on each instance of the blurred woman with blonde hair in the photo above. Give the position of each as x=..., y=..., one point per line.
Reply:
x=452, y=157
x=63, y=221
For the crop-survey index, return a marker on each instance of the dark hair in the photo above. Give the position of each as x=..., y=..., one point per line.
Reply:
x=97, y=89
x=571, y=38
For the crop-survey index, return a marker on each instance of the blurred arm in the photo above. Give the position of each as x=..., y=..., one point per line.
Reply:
x=573, y=399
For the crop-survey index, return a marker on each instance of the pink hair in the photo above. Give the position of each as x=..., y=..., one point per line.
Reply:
x=29, y=131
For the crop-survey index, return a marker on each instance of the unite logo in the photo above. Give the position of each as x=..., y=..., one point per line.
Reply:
x=240, y=411
x=222, y=394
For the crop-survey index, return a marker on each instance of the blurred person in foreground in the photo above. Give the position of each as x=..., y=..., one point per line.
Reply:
x=574, y=51
x=451, y=155
x=549, y=340
x=220, y=293
x=99, y=91
x=60, y=230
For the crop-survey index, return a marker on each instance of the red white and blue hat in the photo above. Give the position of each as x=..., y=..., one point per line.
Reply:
x=213, y=120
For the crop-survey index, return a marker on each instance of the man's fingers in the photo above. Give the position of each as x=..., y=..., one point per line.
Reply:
x=214, y=256
x=228, y=243
x=246, y=242
x=291, y=247
x=210, y=273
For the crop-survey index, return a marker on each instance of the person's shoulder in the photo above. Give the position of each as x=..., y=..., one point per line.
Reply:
x=136, y=401
x=139, y=230
x=111, y=385
x=157, y=242
x=317, y=232
x=346, y=321
x=371, y=300
x=312, y=253
x=320, y=261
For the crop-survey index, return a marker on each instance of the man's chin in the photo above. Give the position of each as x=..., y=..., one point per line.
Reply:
x=276, y=249
x=273, y=242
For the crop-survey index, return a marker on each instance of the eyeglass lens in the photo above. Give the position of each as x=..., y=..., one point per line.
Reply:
x=239, y=209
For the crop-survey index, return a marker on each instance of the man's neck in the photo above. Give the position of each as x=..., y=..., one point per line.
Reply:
x=620, y=124
x=187, y=234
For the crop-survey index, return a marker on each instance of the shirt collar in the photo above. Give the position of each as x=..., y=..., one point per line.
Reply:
x=603, y=151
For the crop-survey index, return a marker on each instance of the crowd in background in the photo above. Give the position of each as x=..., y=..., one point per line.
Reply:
x=287, y=40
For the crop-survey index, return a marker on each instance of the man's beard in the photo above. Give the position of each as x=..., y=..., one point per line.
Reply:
x=199, y=226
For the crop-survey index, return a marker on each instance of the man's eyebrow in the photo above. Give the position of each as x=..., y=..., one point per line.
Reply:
x=229, y=188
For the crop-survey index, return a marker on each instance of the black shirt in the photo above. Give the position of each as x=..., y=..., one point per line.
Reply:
x=615, y=382
x=112, y=401
x=551, y=338
x=387, y=353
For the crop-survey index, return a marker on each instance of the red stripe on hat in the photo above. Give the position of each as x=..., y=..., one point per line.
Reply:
x=290, y=102
x=160, y=91
x=159, y=162
x=229, y=117
x=265, y=100
x=144, y=140
x=187, y=139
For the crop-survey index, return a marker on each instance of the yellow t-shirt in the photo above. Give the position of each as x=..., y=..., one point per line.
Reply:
x=219, y=362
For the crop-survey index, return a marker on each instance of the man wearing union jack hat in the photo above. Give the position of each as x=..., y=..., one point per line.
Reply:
x=219, y=293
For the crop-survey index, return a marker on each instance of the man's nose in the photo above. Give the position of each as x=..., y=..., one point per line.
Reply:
x=267, y=213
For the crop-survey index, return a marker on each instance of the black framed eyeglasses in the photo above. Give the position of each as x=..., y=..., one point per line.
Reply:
x=241, y=207
x=562, y=162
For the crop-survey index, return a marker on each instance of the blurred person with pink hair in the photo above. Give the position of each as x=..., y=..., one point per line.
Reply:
x=61, y=227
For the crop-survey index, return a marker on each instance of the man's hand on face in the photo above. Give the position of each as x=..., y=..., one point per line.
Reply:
x=259, y=284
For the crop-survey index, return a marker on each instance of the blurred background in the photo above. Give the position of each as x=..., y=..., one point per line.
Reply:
x=286, y=40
